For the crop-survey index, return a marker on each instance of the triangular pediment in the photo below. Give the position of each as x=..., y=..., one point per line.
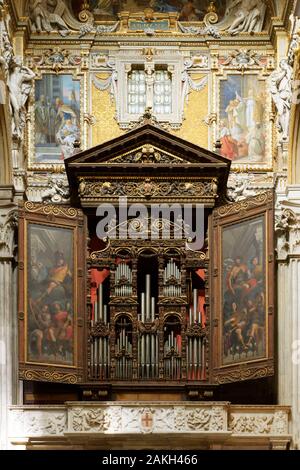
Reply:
x=147, y=145
x=145, y=156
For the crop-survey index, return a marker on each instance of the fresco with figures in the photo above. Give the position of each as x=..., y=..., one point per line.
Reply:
x=244, y=291
x=188, y=10
x=57, y=117
x=50, y=295
x=243, y=119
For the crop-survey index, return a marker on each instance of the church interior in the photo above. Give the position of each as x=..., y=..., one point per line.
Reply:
x=149, y=224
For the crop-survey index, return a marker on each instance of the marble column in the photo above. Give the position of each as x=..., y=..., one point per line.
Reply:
x=9, y=385
x=288, y=255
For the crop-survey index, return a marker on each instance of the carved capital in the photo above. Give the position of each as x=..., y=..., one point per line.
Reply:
x=287, y=229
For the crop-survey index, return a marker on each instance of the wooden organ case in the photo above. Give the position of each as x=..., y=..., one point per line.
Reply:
x=154, y=322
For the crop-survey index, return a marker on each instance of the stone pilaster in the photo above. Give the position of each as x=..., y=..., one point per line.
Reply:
x=8, y=321
x=288, y=254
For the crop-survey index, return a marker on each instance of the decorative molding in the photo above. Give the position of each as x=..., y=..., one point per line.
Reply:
x=198, y=31
x=148, y=154
x=99, y=29
x=54, y=59
x=237, y=375
x=48, y=375
x=50, y=209
x=244, y=205
x=205, y=419
x=149, y=188
x=243, y=59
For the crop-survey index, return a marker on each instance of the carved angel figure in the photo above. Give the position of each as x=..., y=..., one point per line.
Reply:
x=281, y=90
x=247, y=13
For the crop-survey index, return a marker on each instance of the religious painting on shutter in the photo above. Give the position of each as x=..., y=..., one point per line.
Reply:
x=51, y=271
x=242, y=283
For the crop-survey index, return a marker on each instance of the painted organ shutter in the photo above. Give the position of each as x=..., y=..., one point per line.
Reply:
x=242, y=296
x=51, y=293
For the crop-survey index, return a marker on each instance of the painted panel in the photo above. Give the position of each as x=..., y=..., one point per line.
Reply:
x=57, y=117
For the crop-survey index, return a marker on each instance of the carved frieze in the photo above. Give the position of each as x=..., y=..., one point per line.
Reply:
x=148, y=154
x=148, y=188
x=266, y=423
x=208, y=418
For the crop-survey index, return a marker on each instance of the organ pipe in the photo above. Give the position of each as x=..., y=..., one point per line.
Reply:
x=123, y=280
x=195, y=345
x=172, y=356
x=123, y=350
x=99, y=346
x=172, y=280
x=148, y=344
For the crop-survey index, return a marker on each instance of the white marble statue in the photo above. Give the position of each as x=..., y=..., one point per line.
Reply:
x=247, y=15
x=7, y=53
x=19, y=85
x=281, y=91
x=48, y=14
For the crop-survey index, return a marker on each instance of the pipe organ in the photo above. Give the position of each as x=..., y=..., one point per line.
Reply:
x=152, y=303
x=150, y=321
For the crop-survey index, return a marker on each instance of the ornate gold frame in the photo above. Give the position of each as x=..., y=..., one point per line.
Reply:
x=31, y=150
x=223, y=217
x=220, y=77
x=58, y=217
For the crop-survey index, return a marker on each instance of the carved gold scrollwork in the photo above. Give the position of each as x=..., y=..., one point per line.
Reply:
x=47, y=375
x=242, y=206
x=148, y=188
x=50, y=209
x=244, y=374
